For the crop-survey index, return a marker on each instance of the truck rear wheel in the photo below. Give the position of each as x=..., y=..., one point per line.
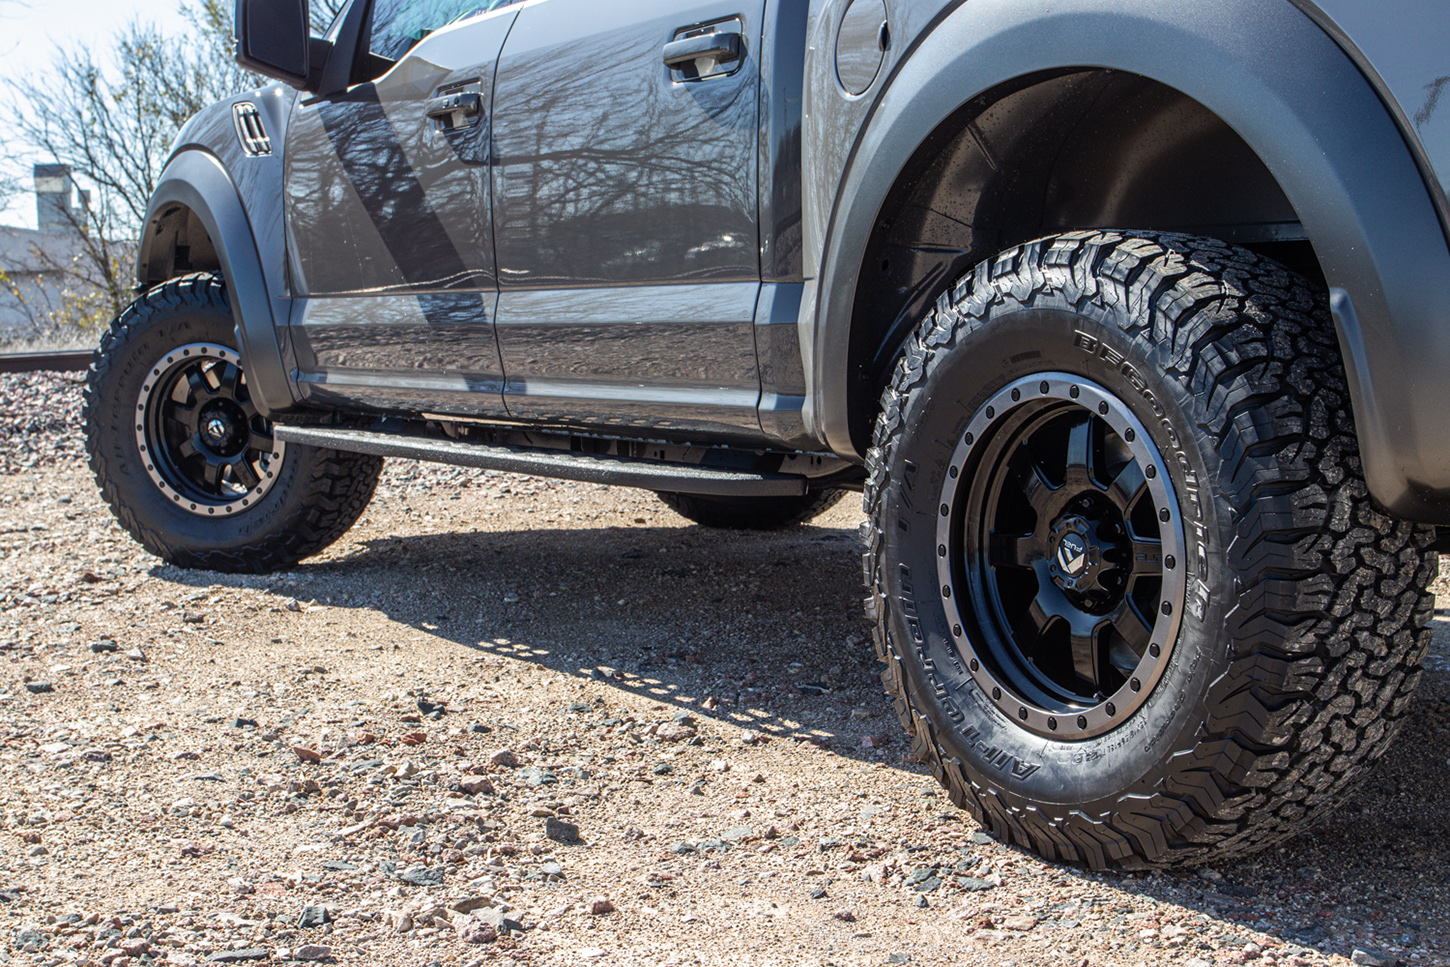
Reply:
x=1134, y=602
x=187, y=464
x=752, y=513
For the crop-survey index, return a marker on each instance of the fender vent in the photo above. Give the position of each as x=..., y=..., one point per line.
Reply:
x=250, y=130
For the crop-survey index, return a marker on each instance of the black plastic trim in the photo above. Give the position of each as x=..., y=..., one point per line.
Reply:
x=197, y=180
x=782, y=66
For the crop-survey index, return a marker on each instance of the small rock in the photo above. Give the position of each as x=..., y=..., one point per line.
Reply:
x=194, y=617
x=104, y=646
x=1372, y=957
x=315, y=915
x=662, y=769
x=974, y=883
x=39, y=688
x=475, y=930
x=505, y=759
x=495, y=918
x=899, y=958
x=312, y=951
x=306, y=754
x=237, y=956
x=468, y=904
x=535, y=776
x=737, y=834
x=845, y=916
x=600, y=905
x=875, y=742
x=674, y=732
x=422, y=876
x=560, y=831
x=401, y=921
x=980, y=838
x=929, y=885
x=473, y=785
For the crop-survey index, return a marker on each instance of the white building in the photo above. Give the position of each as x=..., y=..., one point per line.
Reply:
x=38, y=287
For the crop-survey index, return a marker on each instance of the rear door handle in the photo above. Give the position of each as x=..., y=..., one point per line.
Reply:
x=724, y=48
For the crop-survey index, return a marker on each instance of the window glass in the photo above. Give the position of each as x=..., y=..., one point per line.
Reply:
x=399, y=24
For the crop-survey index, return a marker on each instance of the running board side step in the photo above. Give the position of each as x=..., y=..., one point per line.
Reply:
x=616, y=471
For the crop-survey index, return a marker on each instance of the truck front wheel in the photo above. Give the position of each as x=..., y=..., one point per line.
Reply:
x=1134, y=602
x=181, y=454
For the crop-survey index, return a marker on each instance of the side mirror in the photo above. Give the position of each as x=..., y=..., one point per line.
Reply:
x=273, y=39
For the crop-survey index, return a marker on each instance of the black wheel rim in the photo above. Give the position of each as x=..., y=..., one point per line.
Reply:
x=1060, y=556
x=204, y=443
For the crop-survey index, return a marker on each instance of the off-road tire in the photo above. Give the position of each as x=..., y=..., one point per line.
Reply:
x=317, y=494
x=752, y=513
x=1308, y=610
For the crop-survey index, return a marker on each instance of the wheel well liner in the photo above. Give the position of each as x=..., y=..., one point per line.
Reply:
x=1069, y=150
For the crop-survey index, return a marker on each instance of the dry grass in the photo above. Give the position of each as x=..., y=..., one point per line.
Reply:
x=62, y=340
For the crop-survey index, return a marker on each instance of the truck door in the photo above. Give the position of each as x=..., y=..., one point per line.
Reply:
x=625, y=213
x=388, y=216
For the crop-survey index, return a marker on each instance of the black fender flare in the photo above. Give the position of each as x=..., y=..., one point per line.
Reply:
x=198, y=180
x=1296, y=98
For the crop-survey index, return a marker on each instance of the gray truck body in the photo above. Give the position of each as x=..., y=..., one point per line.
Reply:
x=613, y=248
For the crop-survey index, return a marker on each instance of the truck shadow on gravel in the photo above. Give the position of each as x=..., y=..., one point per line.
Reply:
x=765, y=632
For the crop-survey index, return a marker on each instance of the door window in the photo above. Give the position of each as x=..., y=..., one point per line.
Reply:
x=399, y=24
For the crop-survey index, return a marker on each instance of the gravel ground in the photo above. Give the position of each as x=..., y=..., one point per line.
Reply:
x=516, y=720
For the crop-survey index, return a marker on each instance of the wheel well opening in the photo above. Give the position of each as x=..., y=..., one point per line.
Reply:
x=1075, y=149
x=175, y=243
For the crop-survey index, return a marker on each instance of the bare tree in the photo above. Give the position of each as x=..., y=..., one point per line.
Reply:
x=111, y=119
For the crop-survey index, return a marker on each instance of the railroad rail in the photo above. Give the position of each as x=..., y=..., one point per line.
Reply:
x=65, y=362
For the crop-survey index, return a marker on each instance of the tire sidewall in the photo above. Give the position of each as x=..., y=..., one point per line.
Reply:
x=1014, y=764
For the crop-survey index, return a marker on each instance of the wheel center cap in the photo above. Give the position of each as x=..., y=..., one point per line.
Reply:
x=217, y=428
x=1077, y=564
x=1072, y=554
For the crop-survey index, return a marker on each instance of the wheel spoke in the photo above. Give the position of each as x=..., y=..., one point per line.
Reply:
x=1127, y=487
x=245, y=474
x=1131, y=628
x=1032, y=481
x=1085, y=454
x=187, y=447
x=1145, y=560
x=199, y=385
x=179, y=413
x=226, y=376
x=260, y=442
x=1084, y=639
x=1013, y=550
x=211, y=473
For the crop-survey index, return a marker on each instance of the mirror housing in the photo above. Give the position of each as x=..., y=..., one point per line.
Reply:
x=273, y=39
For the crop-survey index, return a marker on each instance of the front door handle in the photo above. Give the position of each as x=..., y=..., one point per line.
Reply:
x=723, y=48
x=451, y=110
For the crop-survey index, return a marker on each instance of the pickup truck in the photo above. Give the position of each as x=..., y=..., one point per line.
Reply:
x=1128, y=318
